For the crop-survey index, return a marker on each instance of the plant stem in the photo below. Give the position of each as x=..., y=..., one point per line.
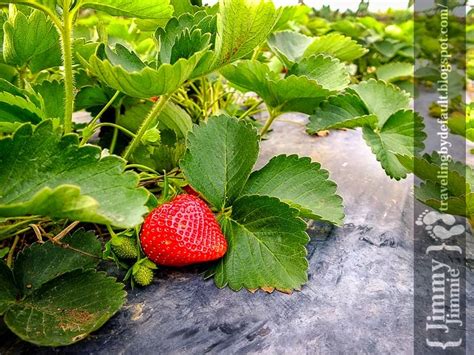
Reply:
x=155, y=111
x=250, y=110
x=110, y=230
x=90, y=128
x=105, y=108
x=21, y=77
x=142, y=167
x=113, y=143
x=12, y=251
x=116, y=126
x=256, y=52
x=268, y=123
x=66, y=46
x=15, y=233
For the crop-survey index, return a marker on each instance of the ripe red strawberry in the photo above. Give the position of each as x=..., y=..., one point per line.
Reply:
x=182, y=232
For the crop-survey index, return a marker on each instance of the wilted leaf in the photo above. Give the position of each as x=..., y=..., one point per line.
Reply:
x=66, y=309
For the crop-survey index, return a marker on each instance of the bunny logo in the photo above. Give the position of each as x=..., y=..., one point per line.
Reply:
x=431, y=219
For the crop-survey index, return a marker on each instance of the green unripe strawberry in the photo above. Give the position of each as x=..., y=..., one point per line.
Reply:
x=143, y=275
x=124, y=247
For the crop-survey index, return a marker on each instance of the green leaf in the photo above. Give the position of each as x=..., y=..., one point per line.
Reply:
x=183, y=6
x=27, y=36
x=46, y=174
x=124, y=73
x=84, y=49
x=41, y=263
x=8, y=290
x=336, y=45
x=300, y=183
x=381, y=109
x=4, y=252
x=163, y=157
x=327, y=71
x=296, y=94
x=395, y=71
x=242, y=26
x=429, y=193
x=290, y=14
x=266, y=246
x=381, y=99
x=52, y=93
x=48, y=3
x=456, y=196
x=188, y=43
x=402, y=134
x=172, y=117
x=341, y=111
x=8, y=72
x=66, y=309
x=135, y=115
x=289, y=46
x=389, y=48
x=18, y=109
x=293, y=93
x=460, y=178
x=175, y=118
x=146, y=9
x=220, y=157
x=177, y=31
x=251, y=75
x=151, y=137
x=52, y=58
x=121, y=56
x=90, y=96
x=12, y=89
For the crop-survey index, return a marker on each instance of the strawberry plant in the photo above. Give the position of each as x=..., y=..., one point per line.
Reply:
x=163, y=169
